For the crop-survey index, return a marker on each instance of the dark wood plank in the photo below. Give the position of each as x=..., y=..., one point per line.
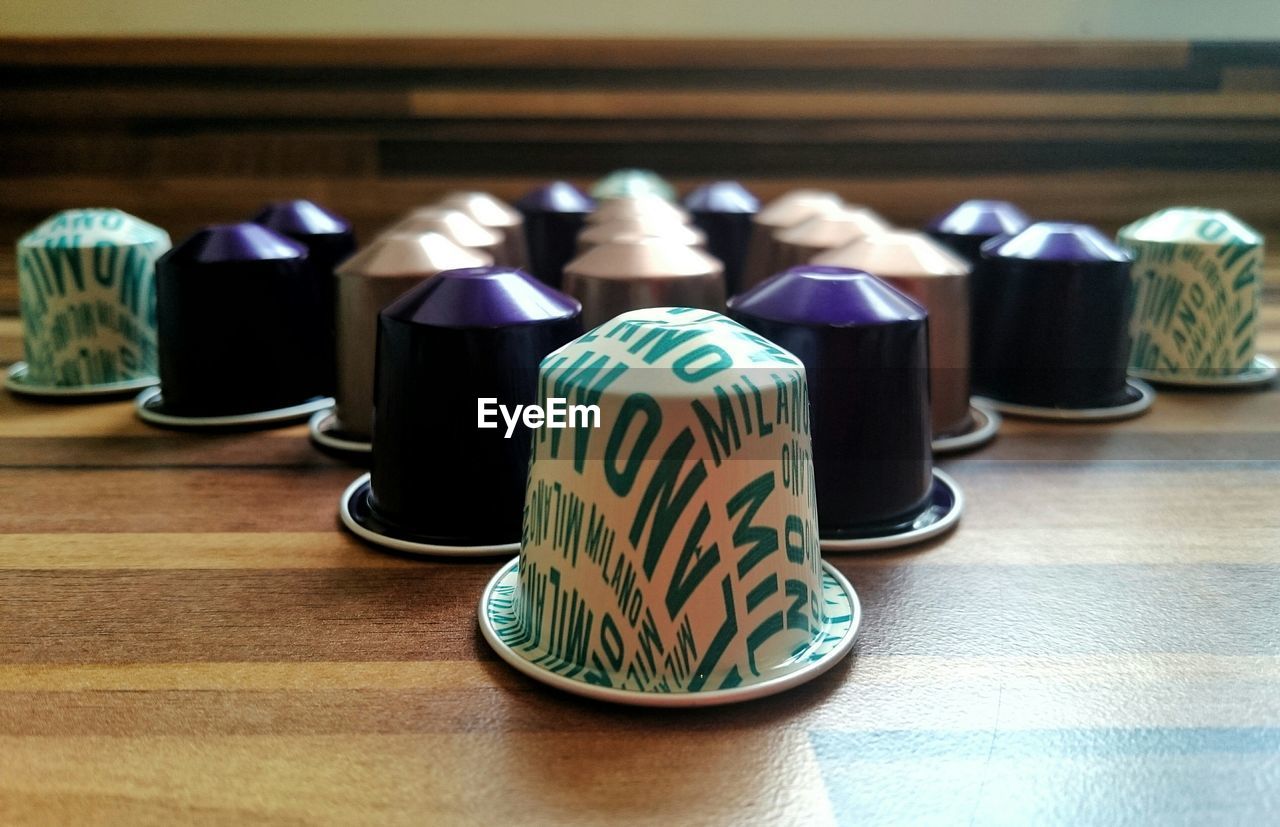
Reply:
x=586, y=52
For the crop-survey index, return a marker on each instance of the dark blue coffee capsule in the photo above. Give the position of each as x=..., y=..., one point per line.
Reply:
x=441, y=484
x=1051, y=314
x=865, y=350
x=235, y=338
x=553, y=217
x=723, y=210
x=329, y=240
x=970, y=224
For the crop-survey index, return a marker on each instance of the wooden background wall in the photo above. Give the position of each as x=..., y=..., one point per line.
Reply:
x=187, y=132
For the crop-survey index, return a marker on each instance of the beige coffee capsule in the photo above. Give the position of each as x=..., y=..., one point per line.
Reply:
x=617, y=277
x=938, y=279
x=816, y=234
x=638, y=206
x=367, y=282
x=453, y=224
x=496, y=214
x=625, y=229
x=786, y=210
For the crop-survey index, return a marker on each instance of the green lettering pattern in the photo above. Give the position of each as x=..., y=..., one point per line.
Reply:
x=675, y=548
x=86, y=281
x=1197, y=289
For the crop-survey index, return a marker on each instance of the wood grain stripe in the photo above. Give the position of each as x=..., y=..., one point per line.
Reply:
x=424, y=613
x=172, y=500
x=872, y=670
x=378, y=615
x=332, y=549
x=515, y=778
x=1155, y=774
x=802, y=105
x=261, y=449
x=984, y=539
x=588, y=52
x=870, y=694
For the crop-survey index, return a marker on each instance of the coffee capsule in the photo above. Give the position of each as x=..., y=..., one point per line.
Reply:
x=670, y=553
x=638, y=207
x=787, y=210
x=497, y=215
x=329, y=241
x=622, y=183
x=239, y=342
x=634, y=229
x=1197, y=282
x=553, y=217
x=796, y=245
x=86, y=290
x=610, y=279
x=723, y=210
x=970, y=224
x=865, y=347
x=938, y=280
x=454, y=225
x=1051, y=308
x=367, y=282
x=446, y=479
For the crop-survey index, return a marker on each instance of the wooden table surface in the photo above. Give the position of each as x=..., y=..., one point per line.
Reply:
x=185, y=633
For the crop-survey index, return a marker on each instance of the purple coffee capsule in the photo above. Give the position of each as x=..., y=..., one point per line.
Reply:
x=553, y=217
x=238, y=340
x=329, y=240
x=461, y=341
x=865, y=350
x=723, y=210
x=1051, y=309
x=970, y=224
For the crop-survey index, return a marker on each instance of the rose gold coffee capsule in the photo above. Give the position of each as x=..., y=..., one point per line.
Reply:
x=454, y=225
x=630, y=229
x=650, y=272
x=939, y=280
x=796, y=245
x=367, y=282
x=496, y=214
x=785, y=211
x=638, y=206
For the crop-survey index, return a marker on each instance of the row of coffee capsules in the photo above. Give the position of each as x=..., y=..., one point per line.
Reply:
x=1191, y=316
x=1195, y=287
x=1061, y=314
x=236, y=320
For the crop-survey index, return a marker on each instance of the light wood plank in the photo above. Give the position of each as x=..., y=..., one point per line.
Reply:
x=525, y=778
x=904, y=105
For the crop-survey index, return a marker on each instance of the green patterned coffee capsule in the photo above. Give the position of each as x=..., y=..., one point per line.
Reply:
x=670, y=541
x=624, y=183
x=1197, y=285
x=86, y=282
